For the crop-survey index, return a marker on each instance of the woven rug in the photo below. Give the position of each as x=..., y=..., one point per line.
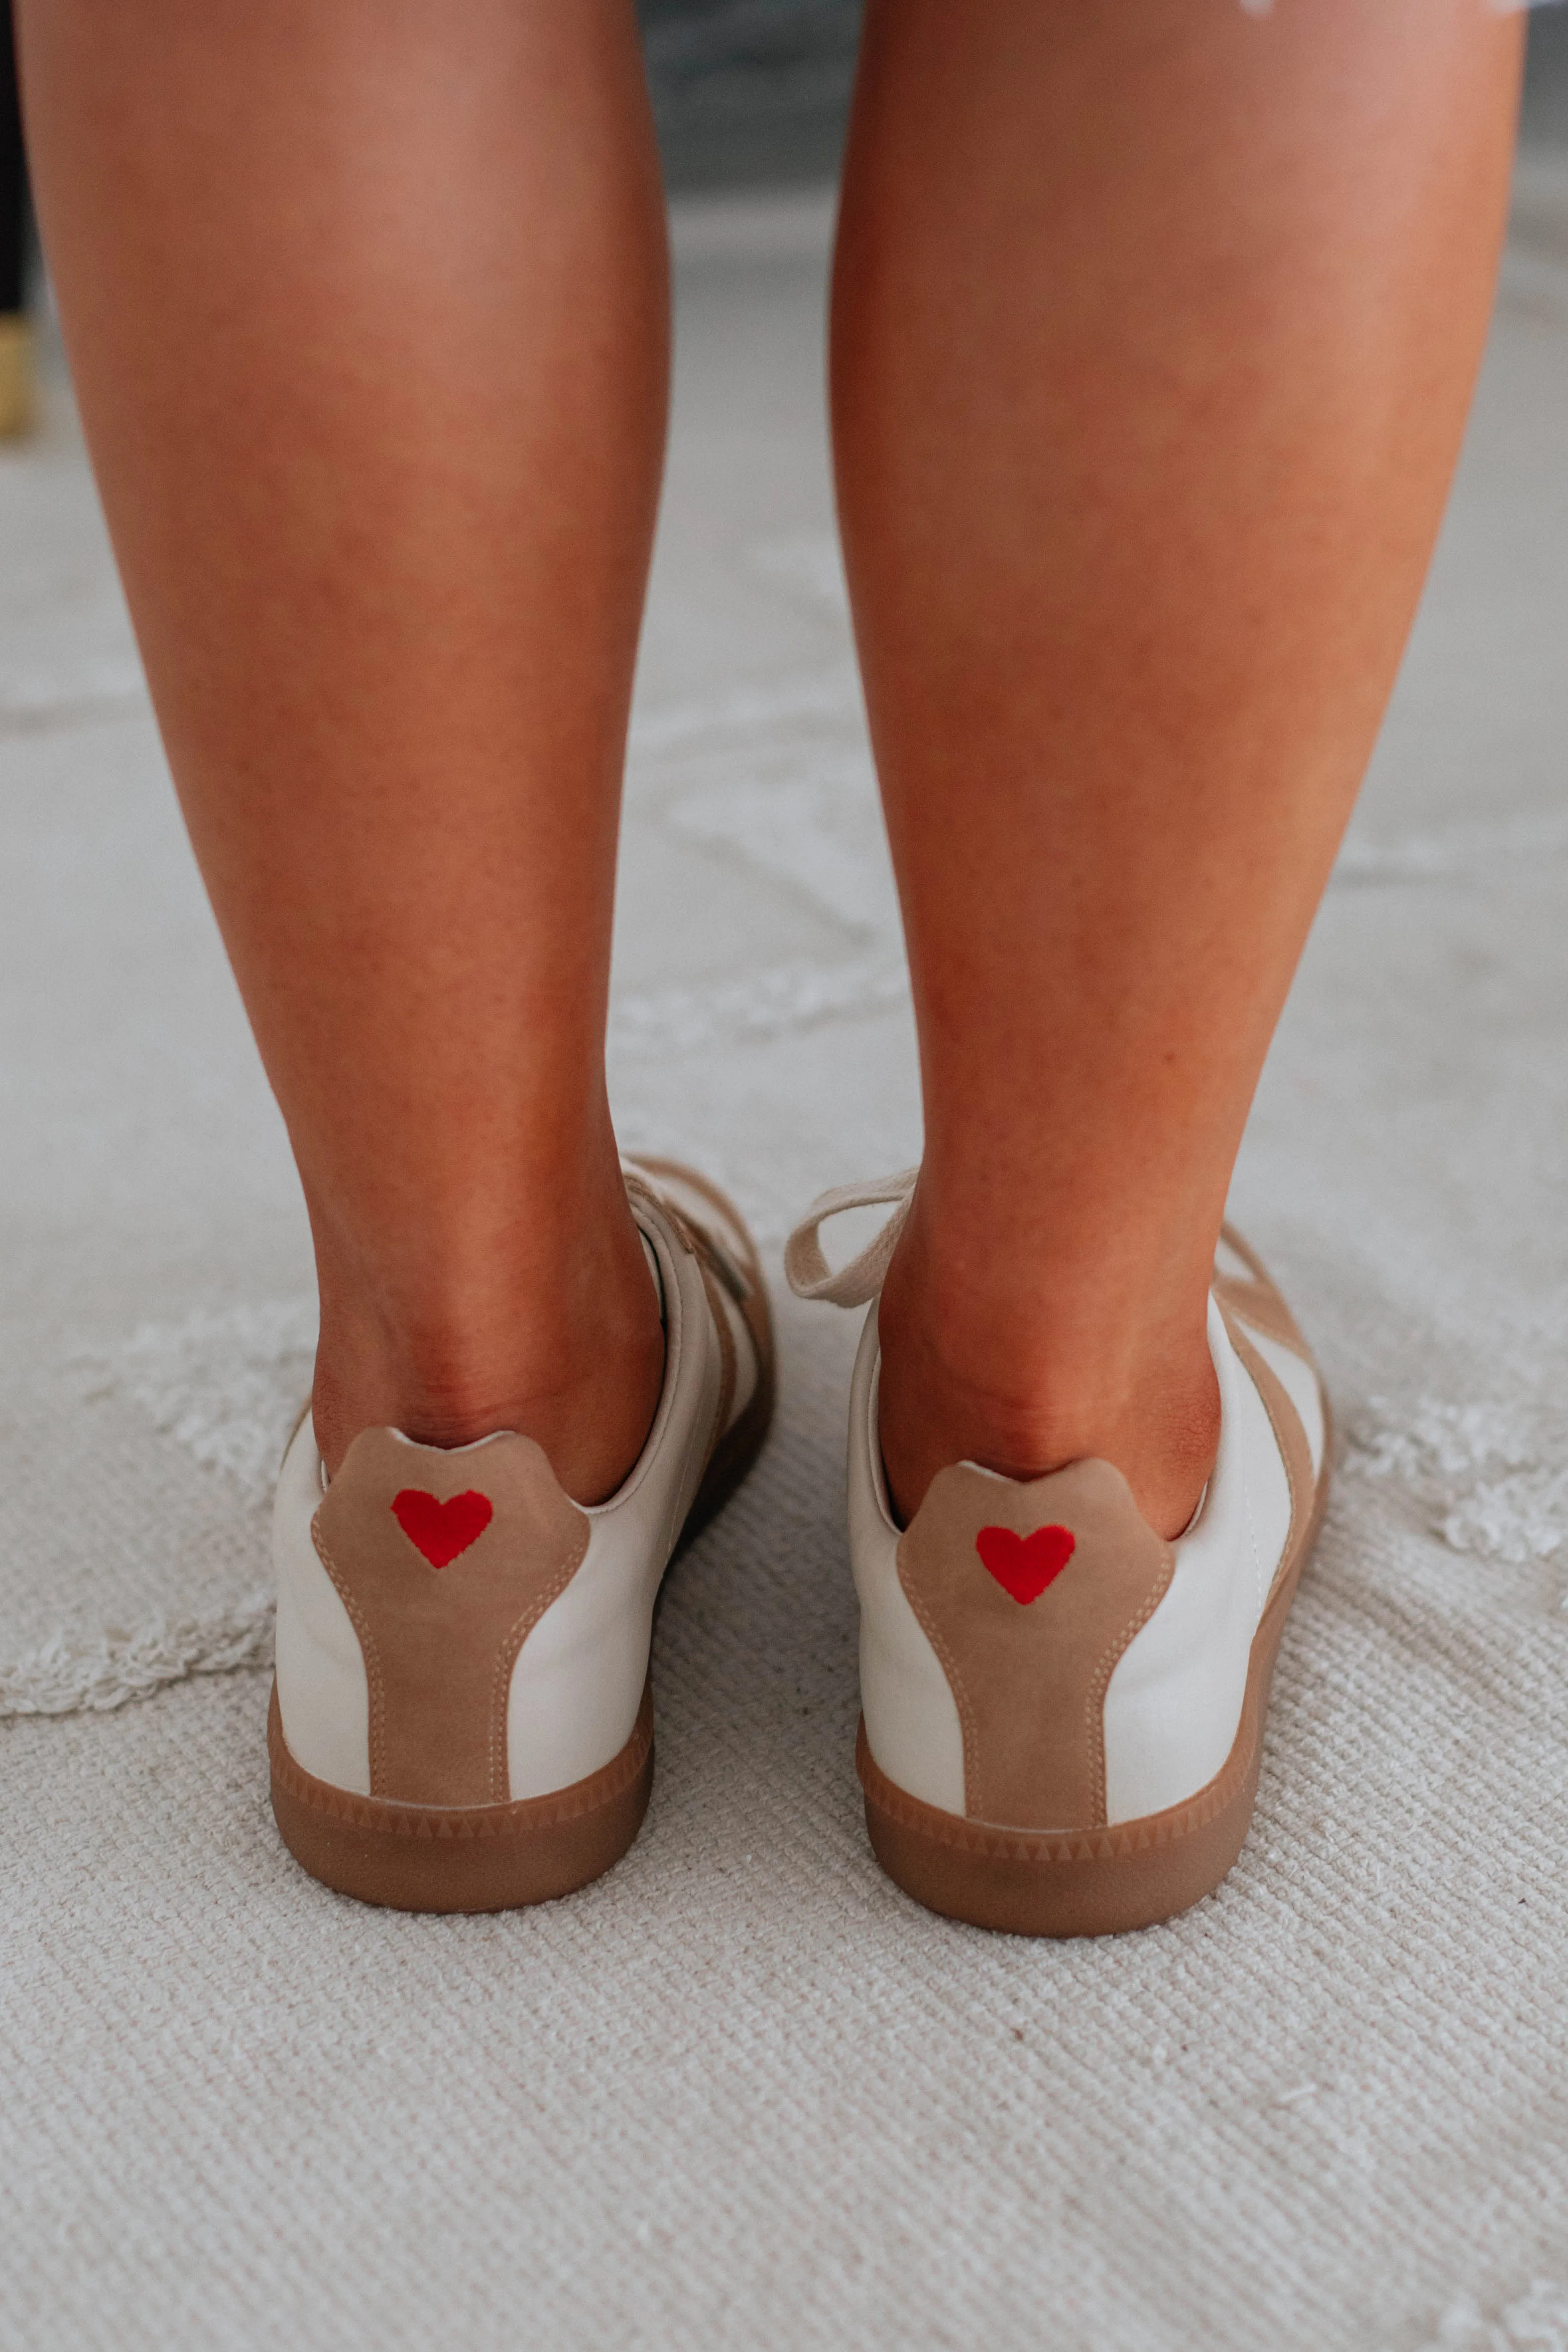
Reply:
x=742, y=2092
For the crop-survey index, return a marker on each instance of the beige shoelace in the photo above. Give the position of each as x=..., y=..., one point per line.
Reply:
x=806, y=1270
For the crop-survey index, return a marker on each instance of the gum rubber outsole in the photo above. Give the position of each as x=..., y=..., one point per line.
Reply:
x=1090, y=1882
x=462, y=1858
x=502, y=1857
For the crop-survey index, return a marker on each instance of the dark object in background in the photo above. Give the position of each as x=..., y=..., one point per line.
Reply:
x=1544, y=120
x=16, y=336
x=750, y=91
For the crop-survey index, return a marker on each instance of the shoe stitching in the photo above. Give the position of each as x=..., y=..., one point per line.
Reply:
x=966, y=1719
x=1094, y=1702
x=399, y=1818
x=1096, y=1841
x=374, y=1682
x=506, y=1659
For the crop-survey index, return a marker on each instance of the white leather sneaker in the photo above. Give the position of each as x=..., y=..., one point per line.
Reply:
x=461, y=1718
x=1062, y=1713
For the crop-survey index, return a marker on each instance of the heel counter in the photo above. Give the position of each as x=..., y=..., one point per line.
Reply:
x=443, y=1562
x=1028, y=1592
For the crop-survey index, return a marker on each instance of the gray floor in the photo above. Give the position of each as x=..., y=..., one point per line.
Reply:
x=742, y=2093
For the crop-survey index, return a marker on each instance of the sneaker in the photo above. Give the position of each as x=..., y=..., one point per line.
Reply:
x=461, y=1718
x=1062, y=1713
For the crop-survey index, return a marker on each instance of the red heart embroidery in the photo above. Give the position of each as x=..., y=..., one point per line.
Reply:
x=441, y=1530
x=1024, y=1565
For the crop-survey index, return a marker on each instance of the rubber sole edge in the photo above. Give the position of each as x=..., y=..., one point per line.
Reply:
x=455, y=1858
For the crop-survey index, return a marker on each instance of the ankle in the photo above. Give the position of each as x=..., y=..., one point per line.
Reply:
x=1041, y=1373
x=569, y=1352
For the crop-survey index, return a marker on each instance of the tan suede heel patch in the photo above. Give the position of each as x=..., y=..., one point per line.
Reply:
x=444, y=1562
x=1030, y=1675
x=1254, y=1297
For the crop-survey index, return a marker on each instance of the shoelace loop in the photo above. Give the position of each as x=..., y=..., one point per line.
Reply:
x=806, y=1269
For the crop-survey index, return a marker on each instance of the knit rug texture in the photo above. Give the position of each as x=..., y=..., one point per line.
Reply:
x=742, y=2092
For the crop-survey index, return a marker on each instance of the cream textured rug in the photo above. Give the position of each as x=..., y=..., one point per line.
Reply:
x=742, y=2093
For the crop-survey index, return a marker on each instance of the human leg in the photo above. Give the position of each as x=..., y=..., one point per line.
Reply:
x=367, y=312
x=1154, y=330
